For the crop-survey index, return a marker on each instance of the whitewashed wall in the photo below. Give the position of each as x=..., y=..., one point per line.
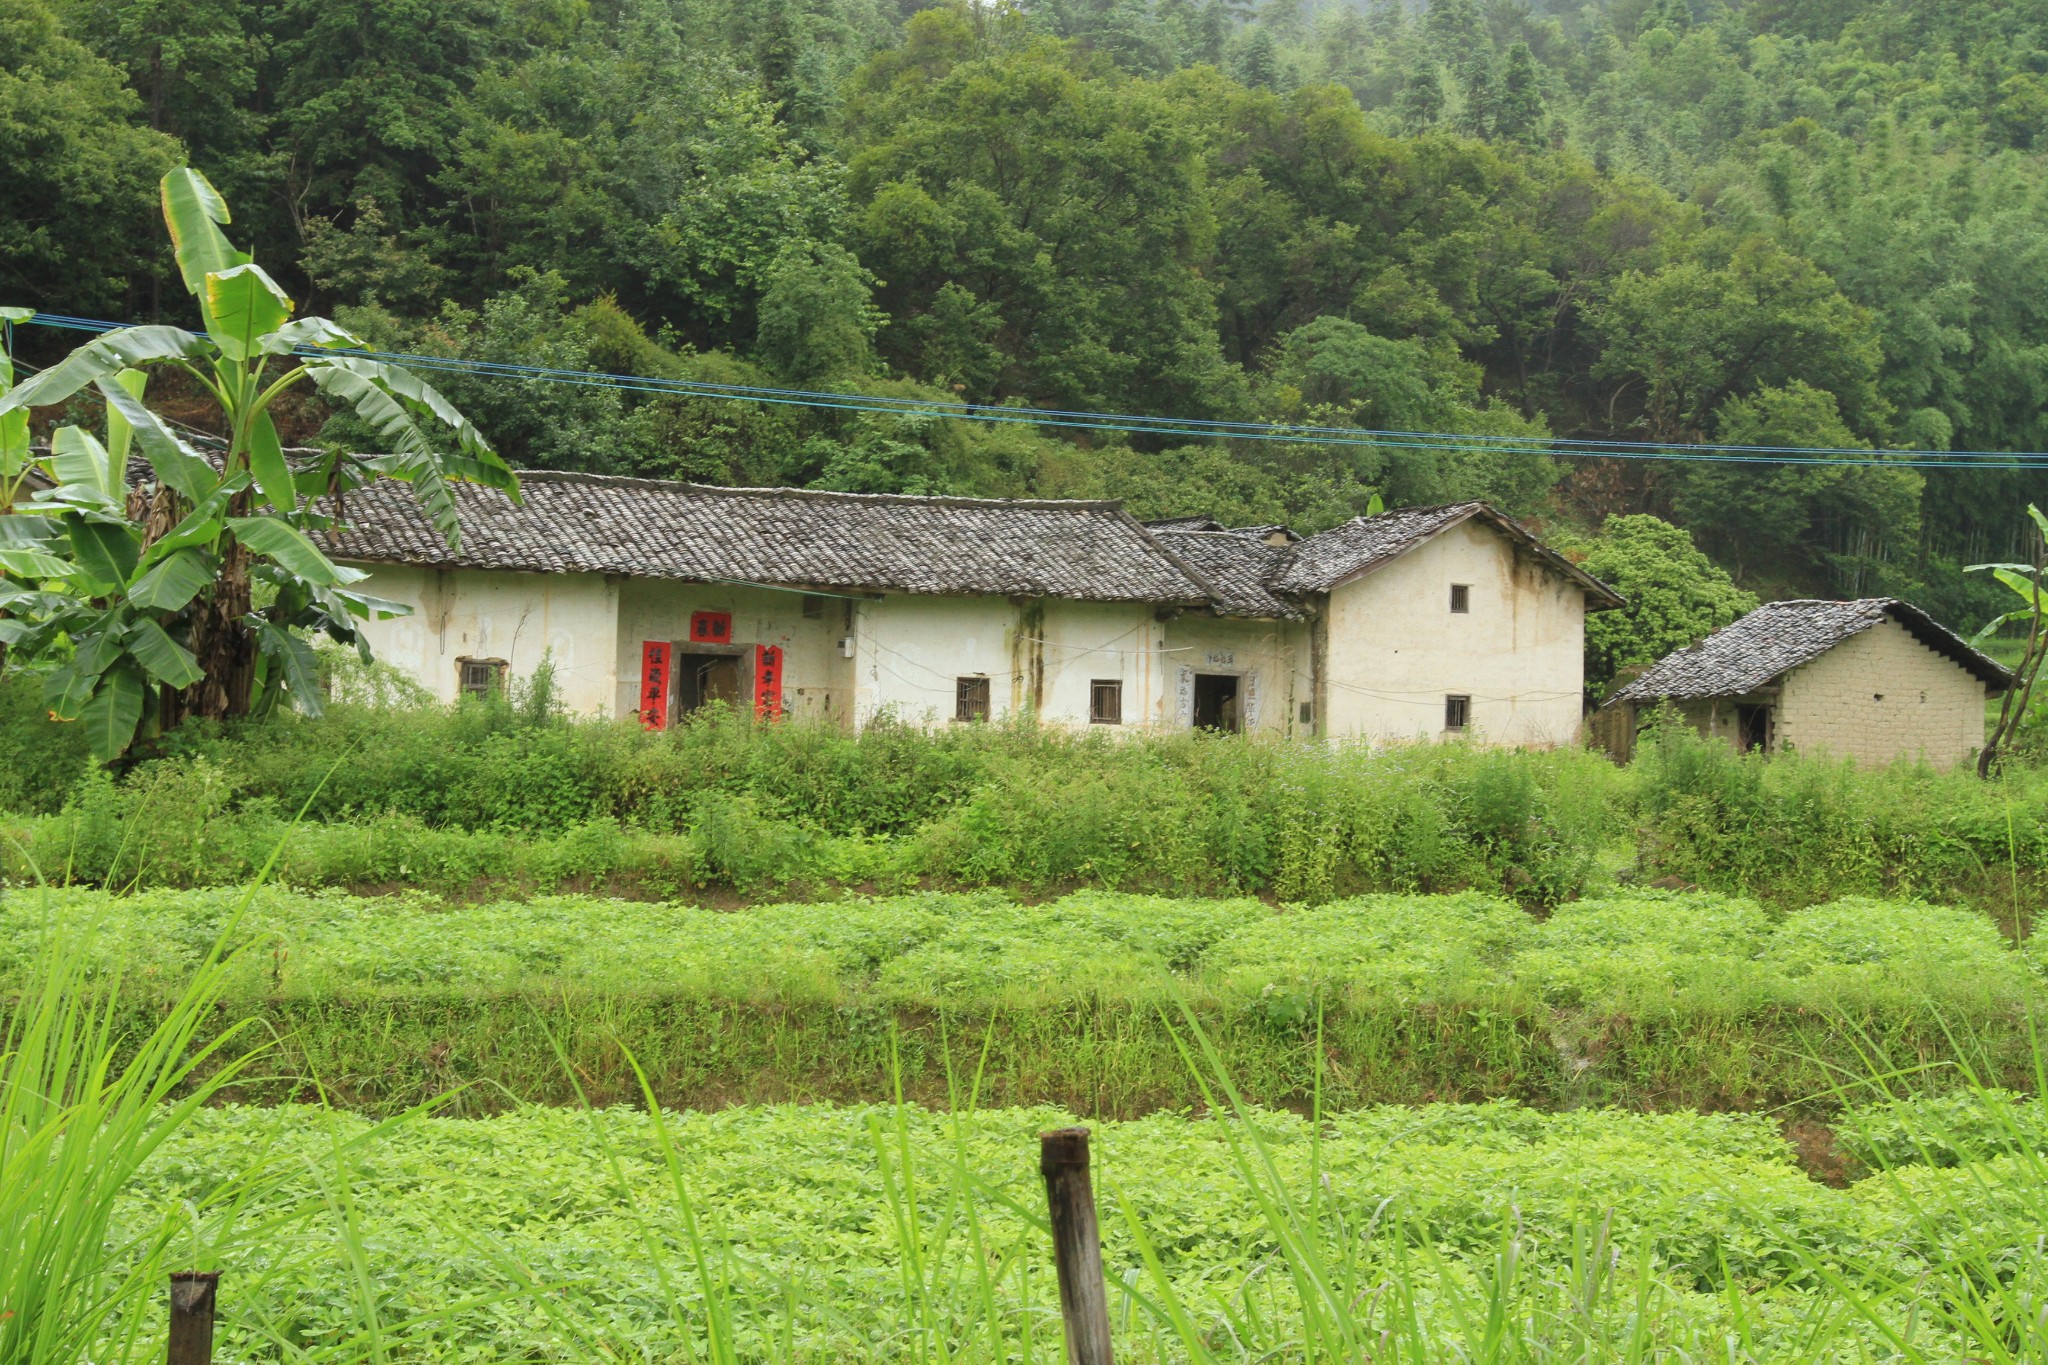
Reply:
x=817, y=680
x=1041, y=654
x=517, y=617
x=1396, y=650
x=1270, y=659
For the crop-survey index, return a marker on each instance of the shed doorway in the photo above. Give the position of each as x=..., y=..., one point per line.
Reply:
x=1216, y=703
x=1753, y=728
x=705, y=678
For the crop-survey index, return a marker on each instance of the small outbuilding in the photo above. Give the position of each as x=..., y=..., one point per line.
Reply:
x=1873, y=680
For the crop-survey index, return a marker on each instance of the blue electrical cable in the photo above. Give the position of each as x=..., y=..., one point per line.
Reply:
x=1197, y=428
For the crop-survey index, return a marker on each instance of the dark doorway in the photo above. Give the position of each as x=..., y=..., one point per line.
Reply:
x=1216, y=706
x=702, y=678
x=1753, y=727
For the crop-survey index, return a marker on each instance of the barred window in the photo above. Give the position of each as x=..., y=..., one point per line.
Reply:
x=479, y=677
x=1457, y=712
x=1461, y=598
x=1106, y=701
x=970, y=699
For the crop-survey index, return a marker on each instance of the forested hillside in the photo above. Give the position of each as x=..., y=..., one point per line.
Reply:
x=1776, y=222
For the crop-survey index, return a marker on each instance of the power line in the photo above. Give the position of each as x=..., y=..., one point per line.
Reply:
x=1196, y=428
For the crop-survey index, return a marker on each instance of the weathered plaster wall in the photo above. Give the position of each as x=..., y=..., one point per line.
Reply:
x=1395, y=650
x=1041, y=655
x=817, y=681
x=1881, y=695
x=1270, y=659
x=486, y=614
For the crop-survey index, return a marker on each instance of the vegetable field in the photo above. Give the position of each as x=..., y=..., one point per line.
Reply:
x=880, y=1232
x=1646, y=999
x=1388, y=1128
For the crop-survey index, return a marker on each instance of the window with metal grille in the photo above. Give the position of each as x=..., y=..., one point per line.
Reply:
x=814, y=607
x=1457, y=712
x=479, y=677
x=1461, y=597
x=970, y=699
x=1106, y=701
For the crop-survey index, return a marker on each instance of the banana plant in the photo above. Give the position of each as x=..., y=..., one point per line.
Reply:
x=132, y=584
x=2026, y=580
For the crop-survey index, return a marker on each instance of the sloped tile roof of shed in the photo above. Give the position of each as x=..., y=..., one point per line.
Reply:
x=646, y=528
x=1780, y=636
x=1240, y=565
x=1363, y=544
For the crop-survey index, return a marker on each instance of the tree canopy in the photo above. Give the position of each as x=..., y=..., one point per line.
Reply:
x=1758, y=222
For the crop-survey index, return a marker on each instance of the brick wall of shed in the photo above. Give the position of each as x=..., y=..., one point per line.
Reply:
x=1882, y=695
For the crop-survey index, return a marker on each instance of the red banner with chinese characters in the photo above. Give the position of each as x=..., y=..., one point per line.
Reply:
x=710, y=627
x=654, y=677
x=768, y=681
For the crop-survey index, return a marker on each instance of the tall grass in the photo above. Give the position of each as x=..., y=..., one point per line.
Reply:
x=84, y=1105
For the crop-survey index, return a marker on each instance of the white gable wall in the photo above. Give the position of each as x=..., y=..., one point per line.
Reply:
x=1394, y=649
x=517, y=617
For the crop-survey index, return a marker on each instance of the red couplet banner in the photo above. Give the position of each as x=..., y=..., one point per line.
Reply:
x=768, y=681
x=655, y=661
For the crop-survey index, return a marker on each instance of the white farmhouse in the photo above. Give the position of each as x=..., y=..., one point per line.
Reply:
x=655, y=598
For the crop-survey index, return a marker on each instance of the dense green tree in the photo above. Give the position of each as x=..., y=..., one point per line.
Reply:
x=1798, y=219
x=75, y=216
x=1067, y=199
x=1673, y=595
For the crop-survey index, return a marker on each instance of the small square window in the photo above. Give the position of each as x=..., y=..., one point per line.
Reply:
x=479, y=677
x=970, y=699
x=1457, y=712
x=1106, y=701
x=1461, y=598
x=814, y=607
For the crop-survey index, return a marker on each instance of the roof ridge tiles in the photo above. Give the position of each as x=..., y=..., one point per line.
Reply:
x=576, y=476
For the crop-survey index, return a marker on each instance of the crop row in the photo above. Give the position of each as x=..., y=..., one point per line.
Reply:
x=1655, y=999
x=828, y=1233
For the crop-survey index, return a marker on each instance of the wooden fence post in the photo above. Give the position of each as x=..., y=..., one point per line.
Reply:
x=1076, y=1244
x=192, y=1294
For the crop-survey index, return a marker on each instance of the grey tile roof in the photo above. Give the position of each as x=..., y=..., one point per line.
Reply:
x=1241, y=567
x=585, y=523
x=1780, y=636
x=1336, y=556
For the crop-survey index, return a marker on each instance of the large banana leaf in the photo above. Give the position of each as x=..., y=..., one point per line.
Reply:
x=120, y=431
x=167, y=661
x=475, y=460
x=171, y=582
x=267, y=463
x=286, y=544
x=103, y=358
x=105, y=553
x=79, y=461
x=194, y=212
x=243, y=306
x=314, y=332
x=113, y=711
x=291, y=661
x=31, y=564
x=177, y=464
